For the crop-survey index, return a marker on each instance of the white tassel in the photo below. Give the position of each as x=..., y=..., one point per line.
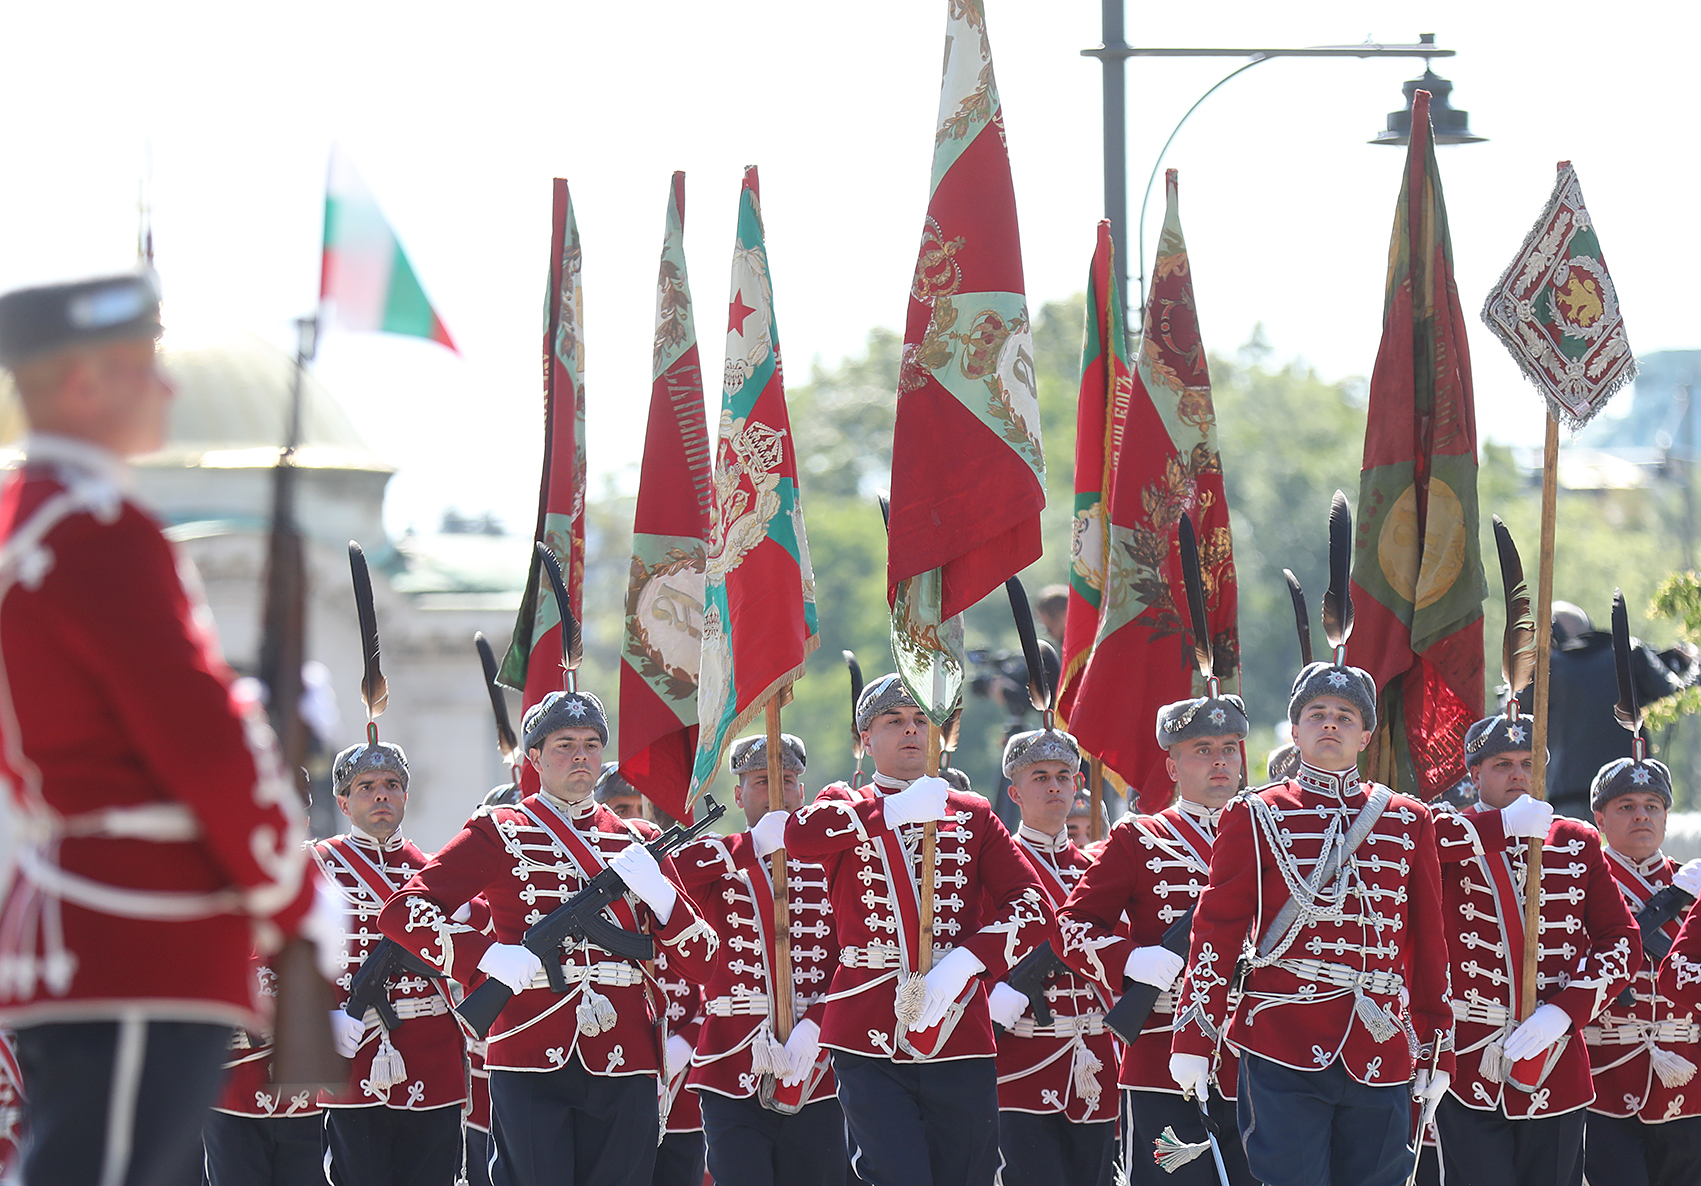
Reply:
x=1673, y=1069
x=1492, y=1064
x=1171, y=1152
x=1086, y=1067
x=912, y=999
x=1376, y=1020
x=387, y=1066
x=767, y=1056
x=596, y=1013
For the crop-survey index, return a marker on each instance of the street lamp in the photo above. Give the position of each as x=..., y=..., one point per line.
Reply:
x=1450, y=125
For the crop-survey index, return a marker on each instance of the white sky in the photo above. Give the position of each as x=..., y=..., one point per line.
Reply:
x=459, y=115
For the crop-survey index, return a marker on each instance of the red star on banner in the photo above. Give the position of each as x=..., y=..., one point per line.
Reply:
x=740, y=310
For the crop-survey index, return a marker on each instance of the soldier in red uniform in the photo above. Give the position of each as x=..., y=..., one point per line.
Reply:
x=1345, y=1015
x=158, y=838
x=1056, y=1093
x=1491, y=1130
x=573, y=1078
x=741, y=1071
x=1679, y=981
x=1152, y=871
x=682, y=1154
x=398, y=1118
x=259, y=1132
x=1644, y=1128
x=914, y=1054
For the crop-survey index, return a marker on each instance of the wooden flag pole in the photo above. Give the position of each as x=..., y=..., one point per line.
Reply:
x=929, y=857
x=1095, y=800
x=1538, y=742
x=782, y=986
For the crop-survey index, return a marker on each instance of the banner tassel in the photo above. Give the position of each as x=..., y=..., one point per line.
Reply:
x=1171, y=1152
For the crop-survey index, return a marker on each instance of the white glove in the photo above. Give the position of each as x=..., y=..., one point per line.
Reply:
x=802, y=1049
x=1428, y=1088
x=922, y=800
x=1688, y=878
x=1192, y=1073
x=326, y=924
x=1544, y=1027
x=1006, y=1004
x=769, y=832
x=1528, y=817
x=676, y=1056
x=1157, y=966
x=638, y=869
x=946, y=983
x=464, y=914
x=346, y=1033
x=514, y=964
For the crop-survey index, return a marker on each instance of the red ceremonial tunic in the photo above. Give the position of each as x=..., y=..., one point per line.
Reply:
x=248, y=1087
x=1070, y=1065
x=1585, y=959
x=684, y=1013
x=157, y=839
x=1679, y=977
x=1622, y=1039
x=1153, y=868
x=1363, y=953
x=733, y=888
x=430, y=1040
x=986, y=898
x=526, y=860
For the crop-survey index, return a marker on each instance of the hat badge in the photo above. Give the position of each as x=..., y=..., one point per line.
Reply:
x=1337, y=679
x=1515, y=733
x=1218, y=716
x=1640, y=775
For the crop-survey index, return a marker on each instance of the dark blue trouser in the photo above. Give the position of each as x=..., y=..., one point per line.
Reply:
x=264, y=1150
x=1044, y=1150
x=1487, y=1148
x=1145, y=1115
x=1323, y=1128
x=749, y=1145
x=478, y=1156
x=568, y=1127
x=118, y=1101
x=920, y=1123
x=1624, y=1151
x=679, y=1160
x=381, y=1146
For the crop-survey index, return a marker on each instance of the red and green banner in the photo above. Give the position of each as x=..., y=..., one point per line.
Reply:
x=968, y=473
x=365, y=280
x=759, y=620
x=1107, y=382
x=533, y=663
x=1167, y=465
x=670, y=533
x=1417, y=566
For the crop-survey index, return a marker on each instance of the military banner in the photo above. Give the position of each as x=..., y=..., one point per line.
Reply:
x=1167, y=465
x=1417, y=566
x=670, y=533
x=759, y=595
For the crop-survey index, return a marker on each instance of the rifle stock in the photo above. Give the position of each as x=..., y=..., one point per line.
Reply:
x=369, y=988
x=1128, y=1016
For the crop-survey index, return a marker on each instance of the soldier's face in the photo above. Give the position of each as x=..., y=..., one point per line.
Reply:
x=1045, y=792
x=120, y=388
x=751, y=793
x=1503, y=777
x=1330, y=734
x=897, y=741
x=375, y=803
x=626, y=806
x=568, y=762
x=1634, y=824
x=1206, y=770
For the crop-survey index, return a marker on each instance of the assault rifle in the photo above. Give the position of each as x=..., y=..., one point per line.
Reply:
x=1030, y=976
x=580, y=919
x=371, y=984
x=1128, y=1016
x=1667, y=903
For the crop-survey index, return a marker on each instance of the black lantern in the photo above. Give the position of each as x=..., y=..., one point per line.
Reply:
x=1451, y=126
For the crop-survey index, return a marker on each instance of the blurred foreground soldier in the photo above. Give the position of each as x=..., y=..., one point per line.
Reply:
x=158, y=839
x=1153, y=870
x=913, y=1053
x=1514, y=1110
x=1344, y=1017
x=769, y=1109
x=398, y=1118
x=1644, y=1128
x=573, y=1077
x=1056, y=1099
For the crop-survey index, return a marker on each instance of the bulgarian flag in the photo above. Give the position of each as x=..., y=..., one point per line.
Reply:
x=561, y=494
x=1167, y=465
x=968, y=473
x=1417, y=567
x=670, y=533
x=759, y=620
x=365, y=280
x=1106, y=384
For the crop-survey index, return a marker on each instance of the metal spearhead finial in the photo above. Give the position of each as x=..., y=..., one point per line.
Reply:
x=1338, y=601
x=1518, y=648
x=374, y=689
x=1301, y=617
x=1628, y=710
x=506, y=741
x=572, y=645
x=1198, y=617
